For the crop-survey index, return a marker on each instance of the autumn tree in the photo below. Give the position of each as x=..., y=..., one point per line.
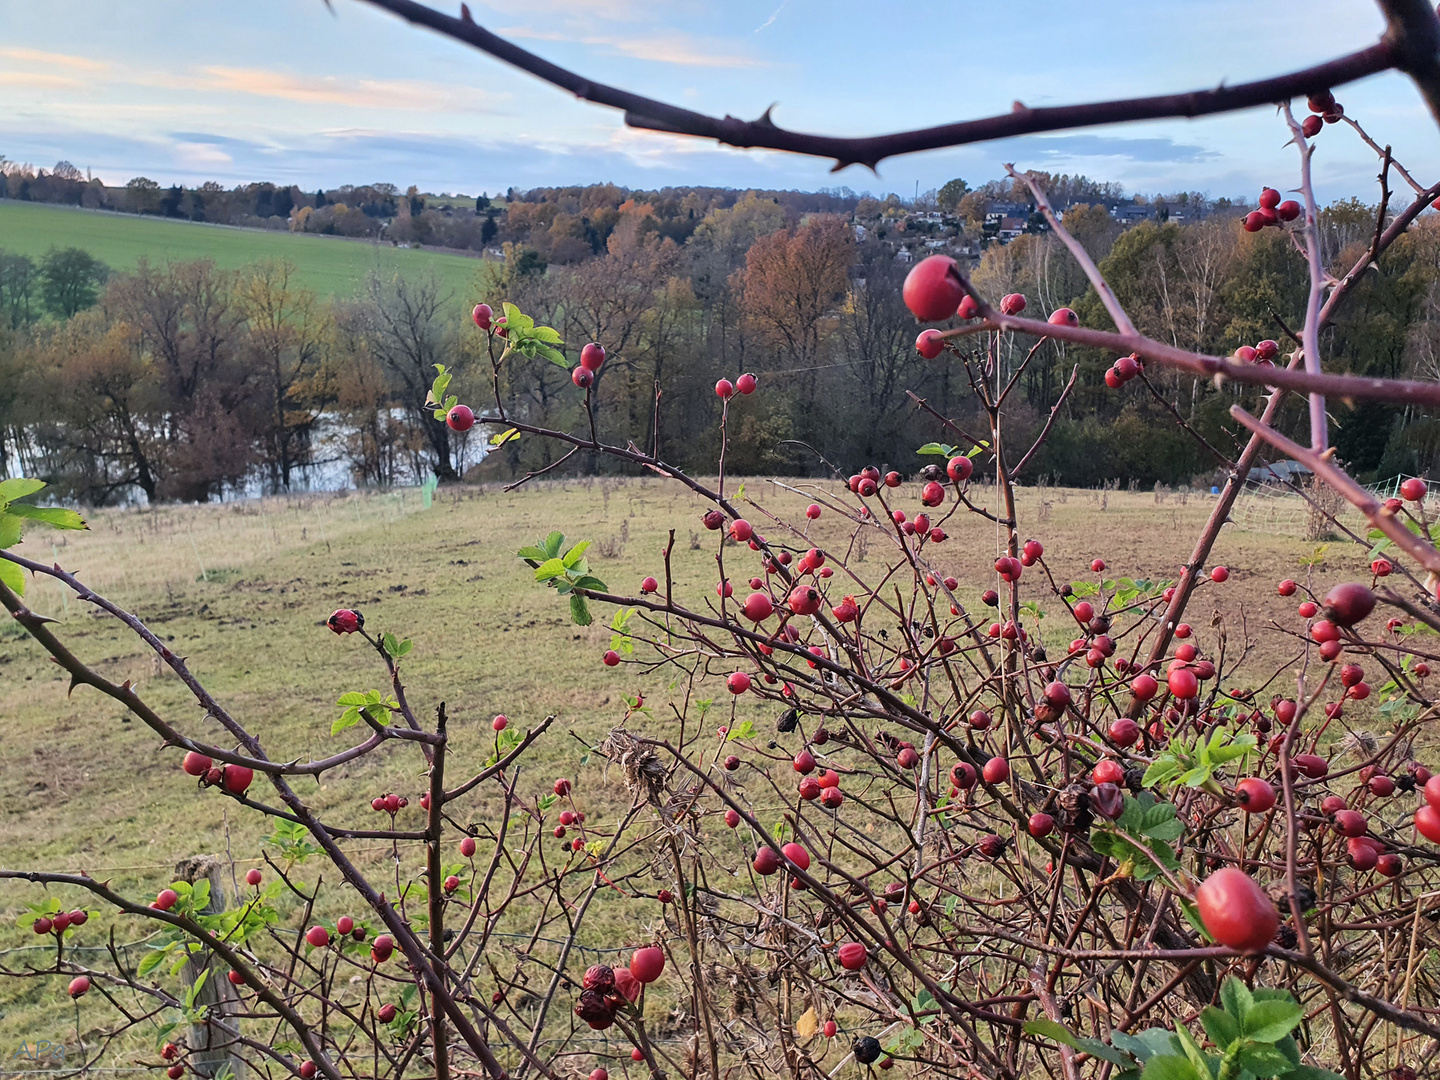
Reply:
x=286, y=354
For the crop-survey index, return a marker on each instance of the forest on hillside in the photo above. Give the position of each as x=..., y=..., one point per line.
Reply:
x=182, y=381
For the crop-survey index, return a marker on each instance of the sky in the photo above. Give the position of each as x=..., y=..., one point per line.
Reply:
x=293, y=92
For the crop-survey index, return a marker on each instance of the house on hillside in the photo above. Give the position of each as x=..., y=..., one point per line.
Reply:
x=1130, y=213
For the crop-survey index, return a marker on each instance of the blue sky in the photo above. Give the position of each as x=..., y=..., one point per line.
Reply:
x=285, y=90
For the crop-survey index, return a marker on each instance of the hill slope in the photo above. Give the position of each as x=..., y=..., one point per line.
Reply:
x=328, y=265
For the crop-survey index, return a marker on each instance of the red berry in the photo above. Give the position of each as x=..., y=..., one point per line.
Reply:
x=1413, y=489
x=1040, y=825
x=236, y=778
x=1349, y=603
x=1144, y=687
x=195, y=764
x=968, y=308
x=346, y=621
x=1427, y=821
x=852, y=956
x=166, y=899
x=1124, y=732
x=1063, y=317
x=481, y=315
x=738, y=682
x=1012, y=303
x=1254, y=795
x=1219, y=574
x=930, y=344
x=460, y=418
x=318, y=936
x=79, y=986
x=724, y=389
x=804, y=762
x=583, y=377
x=746, y=383
x=1254, y=221
x=1235, y=911
x=592, y=356
x=467, y=846
x=959, y=468
x=732, y=818
x=812, y=511
x=1183, y=683
x=741, y=530
x=932, y=289
x=996, y=770
x=383, y=946
x=766, y=862
x=1288, y=210
x=804, y=600
x=1311, y=127
x=1269, y=198
x=637, y=1054
x=611, y=658
x=758, y=607
x=307, y=1069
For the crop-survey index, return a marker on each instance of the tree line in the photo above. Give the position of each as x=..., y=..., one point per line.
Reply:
x=183, y=381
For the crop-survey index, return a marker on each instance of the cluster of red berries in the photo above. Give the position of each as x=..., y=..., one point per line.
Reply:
x=591, y=357
x=1123, y=370
x=826, y=785
x=725, y=389
x=392, y=804
x=1272, y=211
x=235, y=779
x=1324, y=109
x=792, y=855
x=1262, y=352
x=606, y=990
x=61, y=921
x=569, y=817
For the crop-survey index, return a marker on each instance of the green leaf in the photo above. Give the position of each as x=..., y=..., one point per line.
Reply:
x=552, y=544
x=10, y=529
x=508, y=435
x=12, y=577
x=580, y=611
x=551, y=568
x=1271, y=1021
x=354, y=697
x=1222, y=1028
x=152, y=961
x=1082, y=589
x=1171, y=1068
x=51, y=515
x=588, y=581
x=348, y=719
x=1264, y=1060
x=1235, y=996
x=1163, y=769
x=537, y=554
x=553, y=355
x=575, y=554
x=1050, y=1029
x=938, y=449
x=1147, y=1044
x=743, y=730
x=18, y=488
x=1096, y=1048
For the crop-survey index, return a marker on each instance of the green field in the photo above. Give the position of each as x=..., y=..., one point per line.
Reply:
x=242, y=590
x=328, y=265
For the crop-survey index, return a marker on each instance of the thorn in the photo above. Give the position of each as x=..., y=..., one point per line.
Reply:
x=1019, y=106
x=125, y=686
x=764, y=120
x=465, y=15
x=1327, y=454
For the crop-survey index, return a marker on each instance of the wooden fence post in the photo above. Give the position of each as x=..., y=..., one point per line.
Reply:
x=211, y=1048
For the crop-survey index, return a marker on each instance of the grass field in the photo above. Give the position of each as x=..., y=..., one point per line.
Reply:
x=242, y=591
x=327, y=265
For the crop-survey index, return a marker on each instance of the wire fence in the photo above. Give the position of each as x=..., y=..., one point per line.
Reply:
x=1280, y=508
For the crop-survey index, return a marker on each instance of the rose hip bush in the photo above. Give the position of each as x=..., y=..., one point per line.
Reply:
x=1122, y=851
